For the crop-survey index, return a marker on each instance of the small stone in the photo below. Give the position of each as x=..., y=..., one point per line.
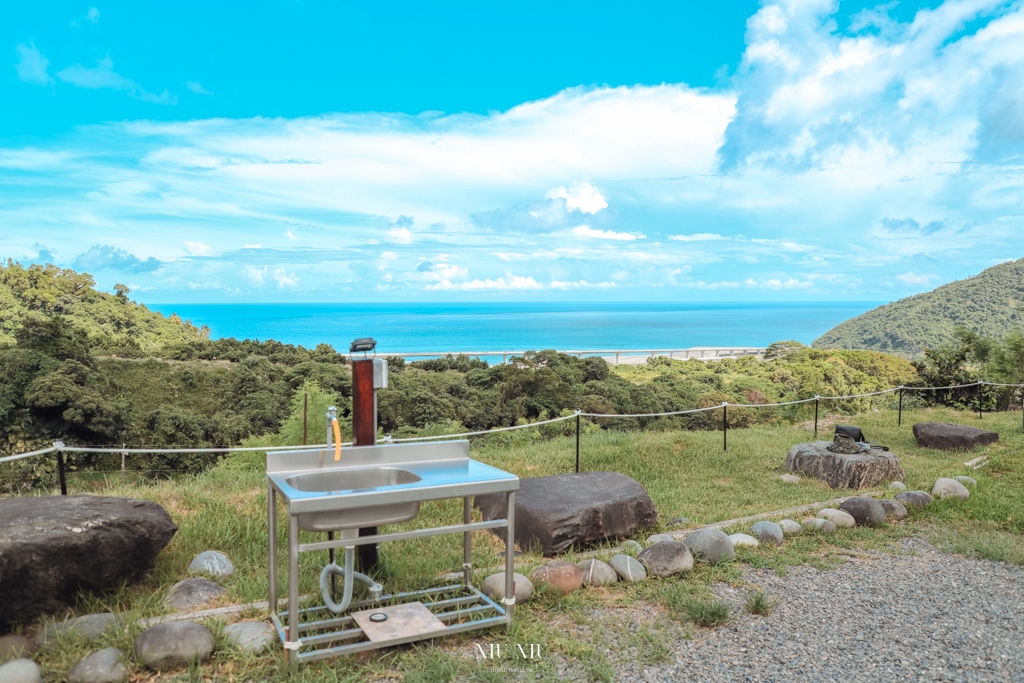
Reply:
x=192, y=593
x=790, y=478
x=897, y=486
x=838, y=517
x=564, y=577
x=20, y=671
x=769, y=533
x=104, y=666
x=950, y=488
x=790, y=528
x=632, y=546
x=494, y=587
x=91, y=626
x=250, y=636
x=173, y=644
x=893, y=508
x=819, y=524
x=667, y=558
x=864, y=510
x=628, y=569
x=16, y=647
x=710, y=545
x=965, y=480
x=660, y=538
x=597, y=573
x=679, y=521
x=212, y=563
x=743, y=541
x=913, y=499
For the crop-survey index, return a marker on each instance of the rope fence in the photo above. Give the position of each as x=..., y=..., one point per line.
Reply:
x=60, y=448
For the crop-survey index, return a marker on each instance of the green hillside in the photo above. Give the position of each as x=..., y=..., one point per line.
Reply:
x=112, y=322
x=991, y=303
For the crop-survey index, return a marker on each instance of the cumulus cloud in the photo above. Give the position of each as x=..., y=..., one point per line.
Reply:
x=508, y=283
x=582, y=197
x=255, y=274
x=32, y=65
x=698, y=237
x=106, y=257
x=915, y=280
x=197, y=88
x=285, y=279
x=400, y=235
x=93, y=15
x=103, y=76
x=587, y=231
x=198, y=248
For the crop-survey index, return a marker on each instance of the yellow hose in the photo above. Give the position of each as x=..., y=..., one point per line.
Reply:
x=337, y=439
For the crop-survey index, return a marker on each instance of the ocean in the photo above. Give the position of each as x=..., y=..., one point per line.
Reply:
x=453, y=327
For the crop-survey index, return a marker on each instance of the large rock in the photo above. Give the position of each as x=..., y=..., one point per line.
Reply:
x=250, y=636
x=173, y=644
x=945, y=436
x=913, y=499
x=893, y=509
x=564, y=577
x=842, y=470
x=574, y=510
x=667, y=558
x=104, y=666
x=52, y=547
x=770, y=532
x=629, y=569
x=865, y=511
x=820, y=524
x=212, y=563
x=710, y=545
x=838, y=517
x=950, y=488
x=790, y=528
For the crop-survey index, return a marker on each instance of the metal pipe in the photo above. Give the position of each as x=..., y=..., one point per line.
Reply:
x=467, y=543
x=292, y=646
x=510, y=557
x=272, y=536
x=405, y=535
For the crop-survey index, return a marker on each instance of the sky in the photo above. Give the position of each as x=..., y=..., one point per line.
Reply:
x=283, y=151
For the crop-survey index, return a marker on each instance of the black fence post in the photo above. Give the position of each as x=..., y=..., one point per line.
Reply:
x=817, y=400
x=305, y=432
x=725, y=425
x=577, y=442
x=60, y=470
x=981, y=396
x=899, y=419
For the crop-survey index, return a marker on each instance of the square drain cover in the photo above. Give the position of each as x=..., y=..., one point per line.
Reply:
x=403, y=621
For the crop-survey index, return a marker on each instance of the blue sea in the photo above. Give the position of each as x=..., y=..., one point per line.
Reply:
x=453, y=327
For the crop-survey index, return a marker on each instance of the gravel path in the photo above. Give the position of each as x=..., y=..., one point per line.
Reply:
x=921, y=615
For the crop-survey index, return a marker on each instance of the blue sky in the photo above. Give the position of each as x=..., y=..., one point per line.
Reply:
x=304, y=151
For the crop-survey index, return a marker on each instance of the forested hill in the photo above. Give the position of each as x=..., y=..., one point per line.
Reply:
x=990, y=303
x=112, y=322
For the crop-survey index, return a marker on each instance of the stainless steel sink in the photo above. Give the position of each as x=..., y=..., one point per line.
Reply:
x=362, y=479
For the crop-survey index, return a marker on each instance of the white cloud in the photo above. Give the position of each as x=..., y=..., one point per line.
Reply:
x=913, y=279
x=32, y=65
x=103, y=76
x=285, y=279
x=197, y=88
x=93, y=15
x=255, y=274
x=290, y=235
x=512, y=283
x=587, y=231
x=198, y=248
x=254, y=246
x=580, y=284
x=698, y=237
x=400, y=235
x=581, y=197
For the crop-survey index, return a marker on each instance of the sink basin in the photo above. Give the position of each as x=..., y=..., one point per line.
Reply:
x=361, y=479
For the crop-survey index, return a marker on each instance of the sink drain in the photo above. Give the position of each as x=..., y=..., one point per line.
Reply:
x=378, y=617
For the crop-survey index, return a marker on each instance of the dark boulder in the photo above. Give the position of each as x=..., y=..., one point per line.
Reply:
x=173, y=644
x=667, y=558
x=865, y=511
x=913, y=499
x=843, y=470
x=893, y=508
x=52, y=547
x=945, y=436
x=574, y=510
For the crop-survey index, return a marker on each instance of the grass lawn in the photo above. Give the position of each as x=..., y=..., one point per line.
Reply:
x=687, y=475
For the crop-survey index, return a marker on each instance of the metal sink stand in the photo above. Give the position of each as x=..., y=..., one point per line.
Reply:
x=461, y=606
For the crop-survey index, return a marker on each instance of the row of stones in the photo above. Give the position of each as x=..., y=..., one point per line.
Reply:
x=667, y=557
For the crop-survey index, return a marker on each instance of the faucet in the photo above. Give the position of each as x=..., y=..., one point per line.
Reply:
x=334, y=432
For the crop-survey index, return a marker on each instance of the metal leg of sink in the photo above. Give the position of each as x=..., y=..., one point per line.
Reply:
x=272, y=559
x=467, y=543
x=330, y=559
x=510, y=557
x=293, y=593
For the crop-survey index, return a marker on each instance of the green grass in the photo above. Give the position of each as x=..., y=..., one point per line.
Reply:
x=758, y=602
x=686, y=474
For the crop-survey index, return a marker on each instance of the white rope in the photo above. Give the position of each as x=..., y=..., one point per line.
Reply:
x=485, y=431
x=27, y=455
x=239, y=449
x=873, y=393
x=772, y=405
x=675, y=412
